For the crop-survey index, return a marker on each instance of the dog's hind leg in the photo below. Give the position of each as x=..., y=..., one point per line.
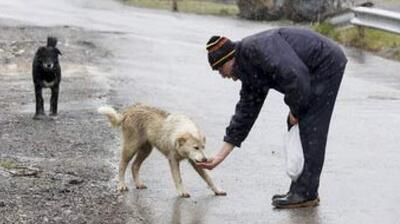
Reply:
x=128, y=152
x=208, y=180
x=142, y=154
x=54, y=101
x=176, y=175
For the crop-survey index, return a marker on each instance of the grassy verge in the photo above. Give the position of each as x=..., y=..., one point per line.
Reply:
x=7, y=164
x=189, y=6
x=382, y=43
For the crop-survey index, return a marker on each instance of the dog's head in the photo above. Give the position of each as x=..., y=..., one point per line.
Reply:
x=47, y=56
x=191, y=147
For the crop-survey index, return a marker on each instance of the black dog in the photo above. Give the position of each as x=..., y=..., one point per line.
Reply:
x=46, y=73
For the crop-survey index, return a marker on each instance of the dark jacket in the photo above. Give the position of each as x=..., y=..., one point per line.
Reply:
x=289, y=60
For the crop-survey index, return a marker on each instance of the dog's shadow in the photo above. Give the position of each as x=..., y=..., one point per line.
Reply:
x=194, y=211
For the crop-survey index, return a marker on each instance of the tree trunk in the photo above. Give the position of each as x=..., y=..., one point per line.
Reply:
x=175, y=5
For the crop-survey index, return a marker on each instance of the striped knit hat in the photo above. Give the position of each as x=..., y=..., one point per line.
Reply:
x=220, y=50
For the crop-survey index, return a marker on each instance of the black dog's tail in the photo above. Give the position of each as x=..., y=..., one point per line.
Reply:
x=51, y=41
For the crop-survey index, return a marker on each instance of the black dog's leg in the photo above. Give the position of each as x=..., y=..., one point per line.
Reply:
x=39, y=103
x=54, y=100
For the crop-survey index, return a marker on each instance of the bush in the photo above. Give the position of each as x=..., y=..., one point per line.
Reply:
x=259, y=9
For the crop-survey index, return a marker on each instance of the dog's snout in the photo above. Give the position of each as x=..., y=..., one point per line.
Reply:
x=48, y=65
x=202, y=160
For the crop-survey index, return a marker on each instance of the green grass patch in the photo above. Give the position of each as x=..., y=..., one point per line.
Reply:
x=189, y=6
x=7, y=165
x=377, y=41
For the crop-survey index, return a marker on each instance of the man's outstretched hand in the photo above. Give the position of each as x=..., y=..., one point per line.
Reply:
x=292, y=119
x=211, y=163
x=217, y=159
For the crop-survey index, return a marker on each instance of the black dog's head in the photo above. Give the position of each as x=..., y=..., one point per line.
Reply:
x=47, y=57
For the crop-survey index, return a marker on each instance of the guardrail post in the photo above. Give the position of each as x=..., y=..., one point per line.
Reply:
x=361, y=35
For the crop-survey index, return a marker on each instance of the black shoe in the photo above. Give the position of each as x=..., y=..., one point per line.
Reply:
x=279, y=196
x=293, y=200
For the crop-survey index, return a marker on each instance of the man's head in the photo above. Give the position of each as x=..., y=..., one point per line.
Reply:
x=221, y=52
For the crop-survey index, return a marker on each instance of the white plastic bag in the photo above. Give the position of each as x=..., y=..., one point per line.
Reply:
x=294, y=153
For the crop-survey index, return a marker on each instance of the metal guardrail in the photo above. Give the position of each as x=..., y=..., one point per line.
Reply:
x=376, y=18
x=368, y=17
x=342, y=19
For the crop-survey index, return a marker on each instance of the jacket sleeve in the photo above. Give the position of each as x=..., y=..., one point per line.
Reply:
x=246, y=113
x=278, y=59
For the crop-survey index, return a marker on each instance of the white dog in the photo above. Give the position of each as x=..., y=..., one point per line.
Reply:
x=176, y=136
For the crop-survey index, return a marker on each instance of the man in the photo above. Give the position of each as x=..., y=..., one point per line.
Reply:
x=307, y=68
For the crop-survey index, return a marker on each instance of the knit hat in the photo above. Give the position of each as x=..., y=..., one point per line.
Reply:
x=220, y=50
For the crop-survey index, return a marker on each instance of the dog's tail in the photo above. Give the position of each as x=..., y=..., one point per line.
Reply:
x=51, y=41
x=113, y=116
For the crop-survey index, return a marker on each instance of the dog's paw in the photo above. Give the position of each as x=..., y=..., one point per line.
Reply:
x=220, y=193
x=122, y=187
x=53, y=114
x=185, y=195
x=141, y=186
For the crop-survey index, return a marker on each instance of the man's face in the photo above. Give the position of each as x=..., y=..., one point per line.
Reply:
x=226, y=70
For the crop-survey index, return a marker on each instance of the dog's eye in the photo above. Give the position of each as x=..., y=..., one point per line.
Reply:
x=196, y=147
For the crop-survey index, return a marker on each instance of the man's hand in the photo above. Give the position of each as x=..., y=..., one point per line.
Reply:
x=211, y=163
x=217, y=159
x=292, y=119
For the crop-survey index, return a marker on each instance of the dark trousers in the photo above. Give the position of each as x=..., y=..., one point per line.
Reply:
x=314, y=128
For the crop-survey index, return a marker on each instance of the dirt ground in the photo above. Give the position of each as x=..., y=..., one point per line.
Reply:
x=56, y=170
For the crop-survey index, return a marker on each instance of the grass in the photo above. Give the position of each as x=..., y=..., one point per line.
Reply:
x=383, y=43
x=7, y=165
x=189, y=6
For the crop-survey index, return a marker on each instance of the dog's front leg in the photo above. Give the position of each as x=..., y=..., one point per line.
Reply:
x=39, y=114
x=121, y=175
x=54, y=100
x=208, y=180
x=176, y=175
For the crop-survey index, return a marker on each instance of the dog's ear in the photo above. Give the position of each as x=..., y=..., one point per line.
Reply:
x=39, y=53
x=40, y=50
x=182, y=140
x=204, y=139
x=58, y=51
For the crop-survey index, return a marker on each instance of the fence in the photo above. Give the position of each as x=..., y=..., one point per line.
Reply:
x=369, y=17
x=376, y=18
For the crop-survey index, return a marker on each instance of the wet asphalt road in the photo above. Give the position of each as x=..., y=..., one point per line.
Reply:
x=159, y=59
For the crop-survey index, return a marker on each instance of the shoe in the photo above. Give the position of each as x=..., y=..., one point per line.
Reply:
x=294, y=200
x=279, y=196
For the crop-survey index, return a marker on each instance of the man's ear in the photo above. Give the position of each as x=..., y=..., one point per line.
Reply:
x=58, y=51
